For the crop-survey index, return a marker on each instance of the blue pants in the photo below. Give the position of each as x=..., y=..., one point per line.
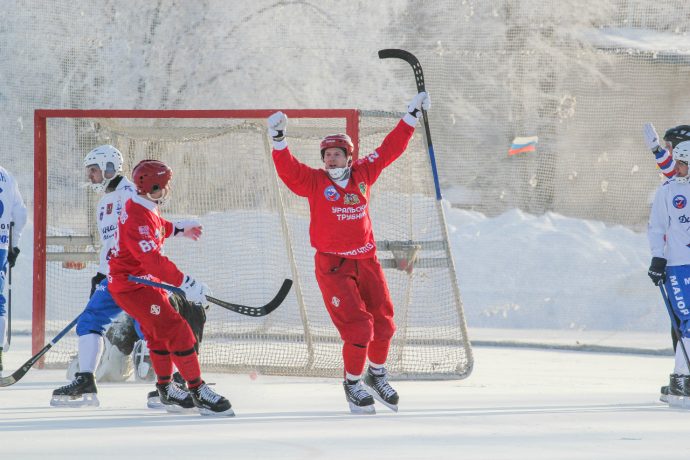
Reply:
x=678, y=288
x=4, y=266
x=100, y=312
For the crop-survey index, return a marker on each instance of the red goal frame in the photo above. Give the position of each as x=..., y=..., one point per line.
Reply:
x=41, y=116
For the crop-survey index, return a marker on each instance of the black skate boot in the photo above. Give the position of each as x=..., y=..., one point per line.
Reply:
x=209, y=402
x=80, y=392
x=173, y=398
x=376, y=383
x=663, y=394
x=153, y=400
x=0, y=361
x=679, y=391
x=360, y=401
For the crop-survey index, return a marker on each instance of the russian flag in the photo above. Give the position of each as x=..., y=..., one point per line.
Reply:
x=523, y=144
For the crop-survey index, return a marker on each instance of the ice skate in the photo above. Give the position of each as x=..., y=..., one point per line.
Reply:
x=153, y=400
x=663, y=394
x=679, y=391
x=377, y=386
x=80, y=392
x=173, y=397
x=360, y=401
x=209, y=402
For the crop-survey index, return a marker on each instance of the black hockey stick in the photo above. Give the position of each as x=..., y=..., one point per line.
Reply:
x=237, y=308
x=674, y=325
x=21, y=372
x=419, y=79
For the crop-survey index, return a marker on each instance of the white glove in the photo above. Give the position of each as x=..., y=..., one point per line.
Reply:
x=651, y=138
x=195, y=291
x=191, y=229
x=277, y=124
x=420, y=101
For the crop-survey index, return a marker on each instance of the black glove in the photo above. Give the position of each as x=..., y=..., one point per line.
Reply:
x=657, y=270
x=12, y=256
x=95, y=281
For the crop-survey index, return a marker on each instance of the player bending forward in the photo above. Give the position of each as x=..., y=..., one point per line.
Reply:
x=140, y=236
x=348, y=272
x=669, y=238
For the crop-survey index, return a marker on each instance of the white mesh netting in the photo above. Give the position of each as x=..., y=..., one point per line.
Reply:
x=256, y=234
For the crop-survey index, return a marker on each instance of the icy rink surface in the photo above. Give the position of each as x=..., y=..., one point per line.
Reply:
x=517, y=404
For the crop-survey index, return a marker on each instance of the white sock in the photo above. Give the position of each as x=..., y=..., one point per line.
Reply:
x=352, y=378
x=3, y=330
x=377, y=369
x=681, y=366
x=90, y=351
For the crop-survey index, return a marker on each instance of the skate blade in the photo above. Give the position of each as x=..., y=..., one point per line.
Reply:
x=175, y=409
x=88, y=399
x=209, y=412
x=663, y=398
x=679, y=402
x=362, y=410
x=372, y=392
x=154, y=403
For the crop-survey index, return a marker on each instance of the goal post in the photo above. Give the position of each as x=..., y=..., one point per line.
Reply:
x=256, y=234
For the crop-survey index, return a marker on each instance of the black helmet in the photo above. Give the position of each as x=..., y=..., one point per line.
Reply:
x=678, y=134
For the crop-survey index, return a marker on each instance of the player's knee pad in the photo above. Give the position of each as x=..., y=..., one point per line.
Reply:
x=115, y=366
x=185, y=352
x=361, y=333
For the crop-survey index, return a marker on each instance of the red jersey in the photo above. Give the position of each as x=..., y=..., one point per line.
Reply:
x=340, y=221
x=140, y=234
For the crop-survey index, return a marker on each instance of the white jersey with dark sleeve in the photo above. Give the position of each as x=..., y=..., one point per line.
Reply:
x=12, y=209
x=669, y=223
x=107, y=213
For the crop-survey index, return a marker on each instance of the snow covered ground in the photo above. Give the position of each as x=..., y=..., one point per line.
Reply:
x=517, y=404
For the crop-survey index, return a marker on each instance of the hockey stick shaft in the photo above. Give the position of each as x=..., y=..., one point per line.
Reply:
x=9, y=294
x=421, y=87
x=21, y=372
x=674, y=325
x=237, y=308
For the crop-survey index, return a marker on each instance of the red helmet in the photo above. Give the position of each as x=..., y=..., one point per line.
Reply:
x=150, y=176
x=341, y=141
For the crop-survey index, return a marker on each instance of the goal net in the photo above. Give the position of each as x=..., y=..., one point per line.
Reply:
x=255, y=235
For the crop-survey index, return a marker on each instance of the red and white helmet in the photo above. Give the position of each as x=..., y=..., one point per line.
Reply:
x=109, y=160
x=150, y=176
x=341, y=141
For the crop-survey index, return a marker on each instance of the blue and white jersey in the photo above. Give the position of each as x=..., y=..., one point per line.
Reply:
x=669, y=223
x=107, y=214
x=12, y=209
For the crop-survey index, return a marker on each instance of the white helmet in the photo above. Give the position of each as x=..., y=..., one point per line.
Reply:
x=681, y=152
x=109, y=160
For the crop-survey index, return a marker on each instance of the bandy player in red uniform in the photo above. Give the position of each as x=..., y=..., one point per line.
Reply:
x=140, y=236
x=348, y=272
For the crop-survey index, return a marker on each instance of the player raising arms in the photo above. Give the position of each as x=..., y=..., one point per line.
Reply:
x=669, y=238
x=348, y=272
x=140, y=236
